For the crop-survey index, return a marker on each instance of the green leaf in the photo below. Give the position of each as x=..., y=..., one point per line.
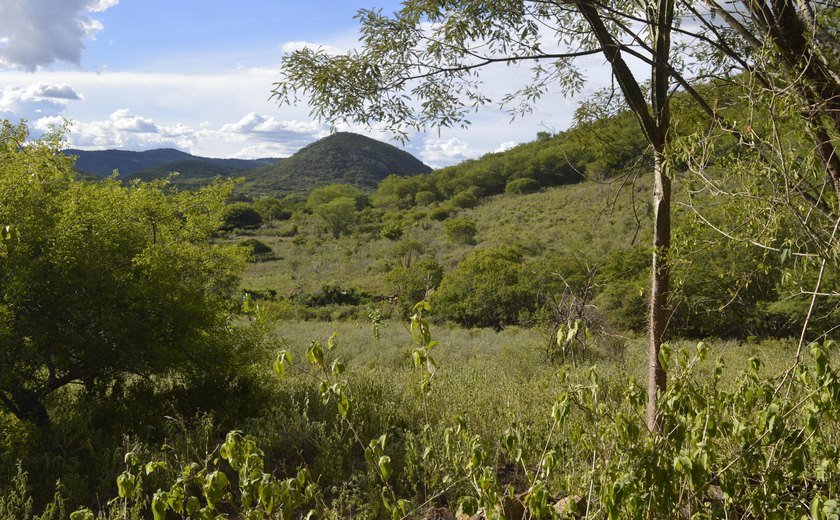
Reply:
x=192, y=505
x=152, y=466
x=126, y=485
x=315, y=354
x=343, y=404
x=159, y=505
x=385, y=467
x=283, y=357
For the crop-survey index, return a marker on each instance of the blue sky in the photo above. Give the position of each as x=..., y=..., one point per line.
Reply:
x=196, y=75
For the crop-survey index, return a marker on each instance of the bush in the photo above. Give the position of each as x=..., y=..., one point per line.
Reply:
x=440, y=213
x=241, y=215
x=465, y=199
x=259, y=249
x=490, y=288
x=414, y=283
x=460, y=230
x=393, y=231
x=424, y=198
x=522, y=186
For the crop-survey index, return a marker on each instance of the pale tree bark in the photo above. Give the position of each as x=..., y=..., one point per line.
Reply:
x=655, y=120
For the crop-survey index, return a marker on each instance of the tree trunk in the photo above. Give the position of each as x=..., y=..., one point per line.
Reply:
x=26, y=405
x=660, y=276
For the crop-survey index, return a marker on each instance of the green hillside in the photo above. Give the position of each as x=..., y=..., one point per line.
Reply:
x=339, y=158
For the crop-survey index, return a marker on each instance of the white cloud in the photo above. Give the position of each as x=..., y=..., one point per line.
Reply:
x=35, y=33
x=56, y=91
x=36, y=101
x=438, y=151
x=254, y=135
x=128, y=131
x=123, y=120
x=507, y=145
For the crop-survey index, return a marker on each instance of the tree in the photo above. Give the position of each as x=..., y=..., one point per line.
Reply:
x=420, y=67
x=489, y=288
x=241, y=215
x=103, y=281
x=339, y=215
x=326, y=194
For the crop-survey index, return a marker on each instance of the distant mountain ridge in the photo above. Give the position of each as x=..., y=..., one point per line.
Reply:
x=103, y=162
x=341, y=157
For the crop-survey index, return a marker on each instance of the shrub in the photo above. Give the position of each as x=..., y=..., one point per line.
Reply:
x=393, y=231
x=465, y=199
x=259, y=249
x=460, y=230
x=424, y=198
x=415, y=282
x=490, y=288
x=440, y=213
x=240, y=215
x=522, y=186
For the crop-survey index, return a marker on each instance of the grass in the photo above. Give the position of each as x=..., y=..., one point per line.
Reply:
x=586, y=217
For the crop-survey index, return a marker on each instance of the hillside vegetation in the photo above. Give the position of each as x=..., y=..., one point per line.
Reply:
x=342, y=157
x=171, y=353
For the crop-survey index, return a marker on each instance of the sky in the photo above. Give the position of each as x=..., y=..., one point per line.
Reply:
x=197, y=76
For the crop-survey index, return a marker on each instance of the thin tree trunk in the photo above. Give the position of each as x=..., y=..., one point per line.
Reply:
x=660, y=279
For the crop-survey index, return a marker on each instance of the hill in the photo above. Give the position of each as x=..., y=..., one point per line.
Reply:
x=149, y=164
x=342, y=157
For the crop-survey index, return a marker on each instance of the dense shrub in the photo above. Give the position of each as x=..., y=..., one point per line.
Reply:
x=440, y=213
x=258, y=248
x=415, y=282
x=393, y=231
x=460, y=230
x=424, y=198
x=522, y=186
x=241, y=215
x=490, y=288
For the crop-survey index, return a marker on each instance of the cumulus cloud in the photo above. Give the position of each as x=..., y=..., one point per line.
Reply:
x=507, y=145
x=128, y=131
x=255, y=134
x=36, y=101
x=34, y=33
x=438, y=151
x=281, y=137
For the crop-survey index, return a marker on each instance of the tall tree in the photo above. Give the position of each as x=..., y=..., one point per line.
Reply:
x=102, y=281
x=421, y=66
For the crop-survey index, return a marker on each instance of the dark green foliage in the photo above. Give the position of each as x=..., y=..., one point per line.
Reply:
x=466, y=199
x=339, y=158
x=460, y=230
x=490, y=288
x=336, y=295
x=272, y=208
x=424, y=198
x=258, y=248
x=440, y=213
x=522, y=186
x=241, y=215
x=624, y=278
x=392, y=231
